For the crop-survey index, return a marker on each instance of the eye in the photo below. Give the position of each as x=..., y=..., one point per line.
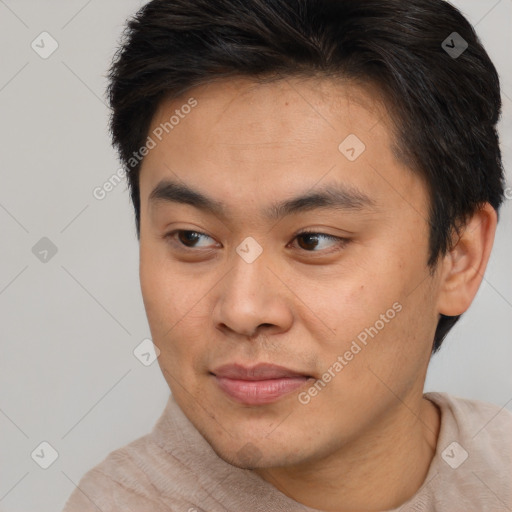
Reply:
x=186, y=239
x=310, y=241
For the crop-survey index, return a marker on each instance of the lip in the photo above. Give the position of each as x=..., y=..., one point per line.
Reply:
x=260, y=384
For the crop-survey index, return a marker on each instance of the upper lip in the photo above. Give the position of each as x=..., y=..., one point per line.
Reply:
x=260, y=371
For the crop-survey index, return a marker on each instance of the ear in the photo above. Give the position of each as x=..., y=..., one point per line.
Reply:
x=463, y=267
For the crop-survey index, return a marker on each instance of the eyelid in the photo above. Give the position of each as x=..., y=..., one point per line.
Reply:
x=309, y=231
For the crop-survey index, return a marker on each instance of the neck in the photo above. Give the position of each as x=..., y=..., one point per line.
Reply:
x=380, y=471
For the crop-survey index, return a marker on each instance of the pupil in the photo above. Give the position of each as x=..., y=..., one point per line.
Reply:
x=188, y=236
x=308, y=239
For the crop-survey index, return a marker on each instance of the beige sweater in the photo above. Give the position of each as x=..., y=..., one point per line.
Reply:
x=174, y=469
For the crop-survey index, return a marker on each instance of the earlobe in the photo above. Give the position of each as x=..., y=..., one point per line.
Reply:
x=463, y=267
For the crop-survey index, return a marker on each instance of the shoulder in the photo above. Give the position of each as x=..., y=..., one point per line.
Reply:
x=475, y=420
x=473, y=460
x=150, y=473
x=120, y=480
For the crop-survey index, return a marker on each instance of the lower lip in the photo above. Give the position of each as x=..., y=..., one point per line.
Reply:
x=257, y=392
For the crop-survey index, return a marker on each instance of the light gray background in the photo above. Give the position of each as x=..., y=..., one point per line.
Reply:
x=69, y=326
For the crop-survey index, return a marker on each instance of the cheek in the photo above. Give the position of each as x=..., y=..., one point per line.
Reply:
x=161, y=288
x=176, y=315
x=399, y=353
x=357, y=300
x=382, y=311
x=159, y=293
x=153, y=293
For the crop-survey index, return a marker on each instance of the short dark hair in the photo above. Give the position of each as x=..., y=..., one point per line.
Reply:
x=445, y=107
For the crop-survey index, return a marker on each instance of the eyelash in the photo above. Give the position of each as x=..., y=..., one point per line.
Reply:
x=342, y=242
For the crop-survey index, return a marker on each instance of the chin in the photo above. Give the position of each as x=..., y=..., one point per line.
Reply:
x=246, y=454
x=249, y=457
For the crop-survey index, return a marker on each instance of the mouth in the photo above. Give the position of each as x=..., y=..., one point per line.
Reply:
x=260, y=384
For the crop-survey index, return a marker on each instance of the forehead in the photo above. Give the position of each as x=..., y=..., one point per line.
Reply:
x=255, y=141
x=269, y=110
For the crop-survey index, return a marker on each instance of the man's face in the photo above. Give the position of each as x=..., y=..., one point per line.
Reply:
x=351, y=309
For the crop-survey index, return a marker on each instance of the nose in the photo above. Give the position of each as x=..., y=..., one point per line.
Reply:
x=253, y=298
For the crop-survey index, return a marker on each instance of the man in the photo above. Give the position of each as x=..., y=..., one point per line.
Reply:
x=316, y=187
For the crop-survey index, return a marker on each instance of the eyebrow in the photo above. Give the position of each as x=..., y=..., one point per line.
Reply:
x=333, y=196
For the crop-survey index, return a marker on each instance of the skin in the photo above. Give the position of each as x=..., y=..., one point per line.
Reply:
x=366, y=440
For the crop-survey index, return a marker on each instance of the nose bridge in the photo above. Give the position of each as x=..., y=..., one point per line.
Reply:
x=249, y=271
x=250, y=294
